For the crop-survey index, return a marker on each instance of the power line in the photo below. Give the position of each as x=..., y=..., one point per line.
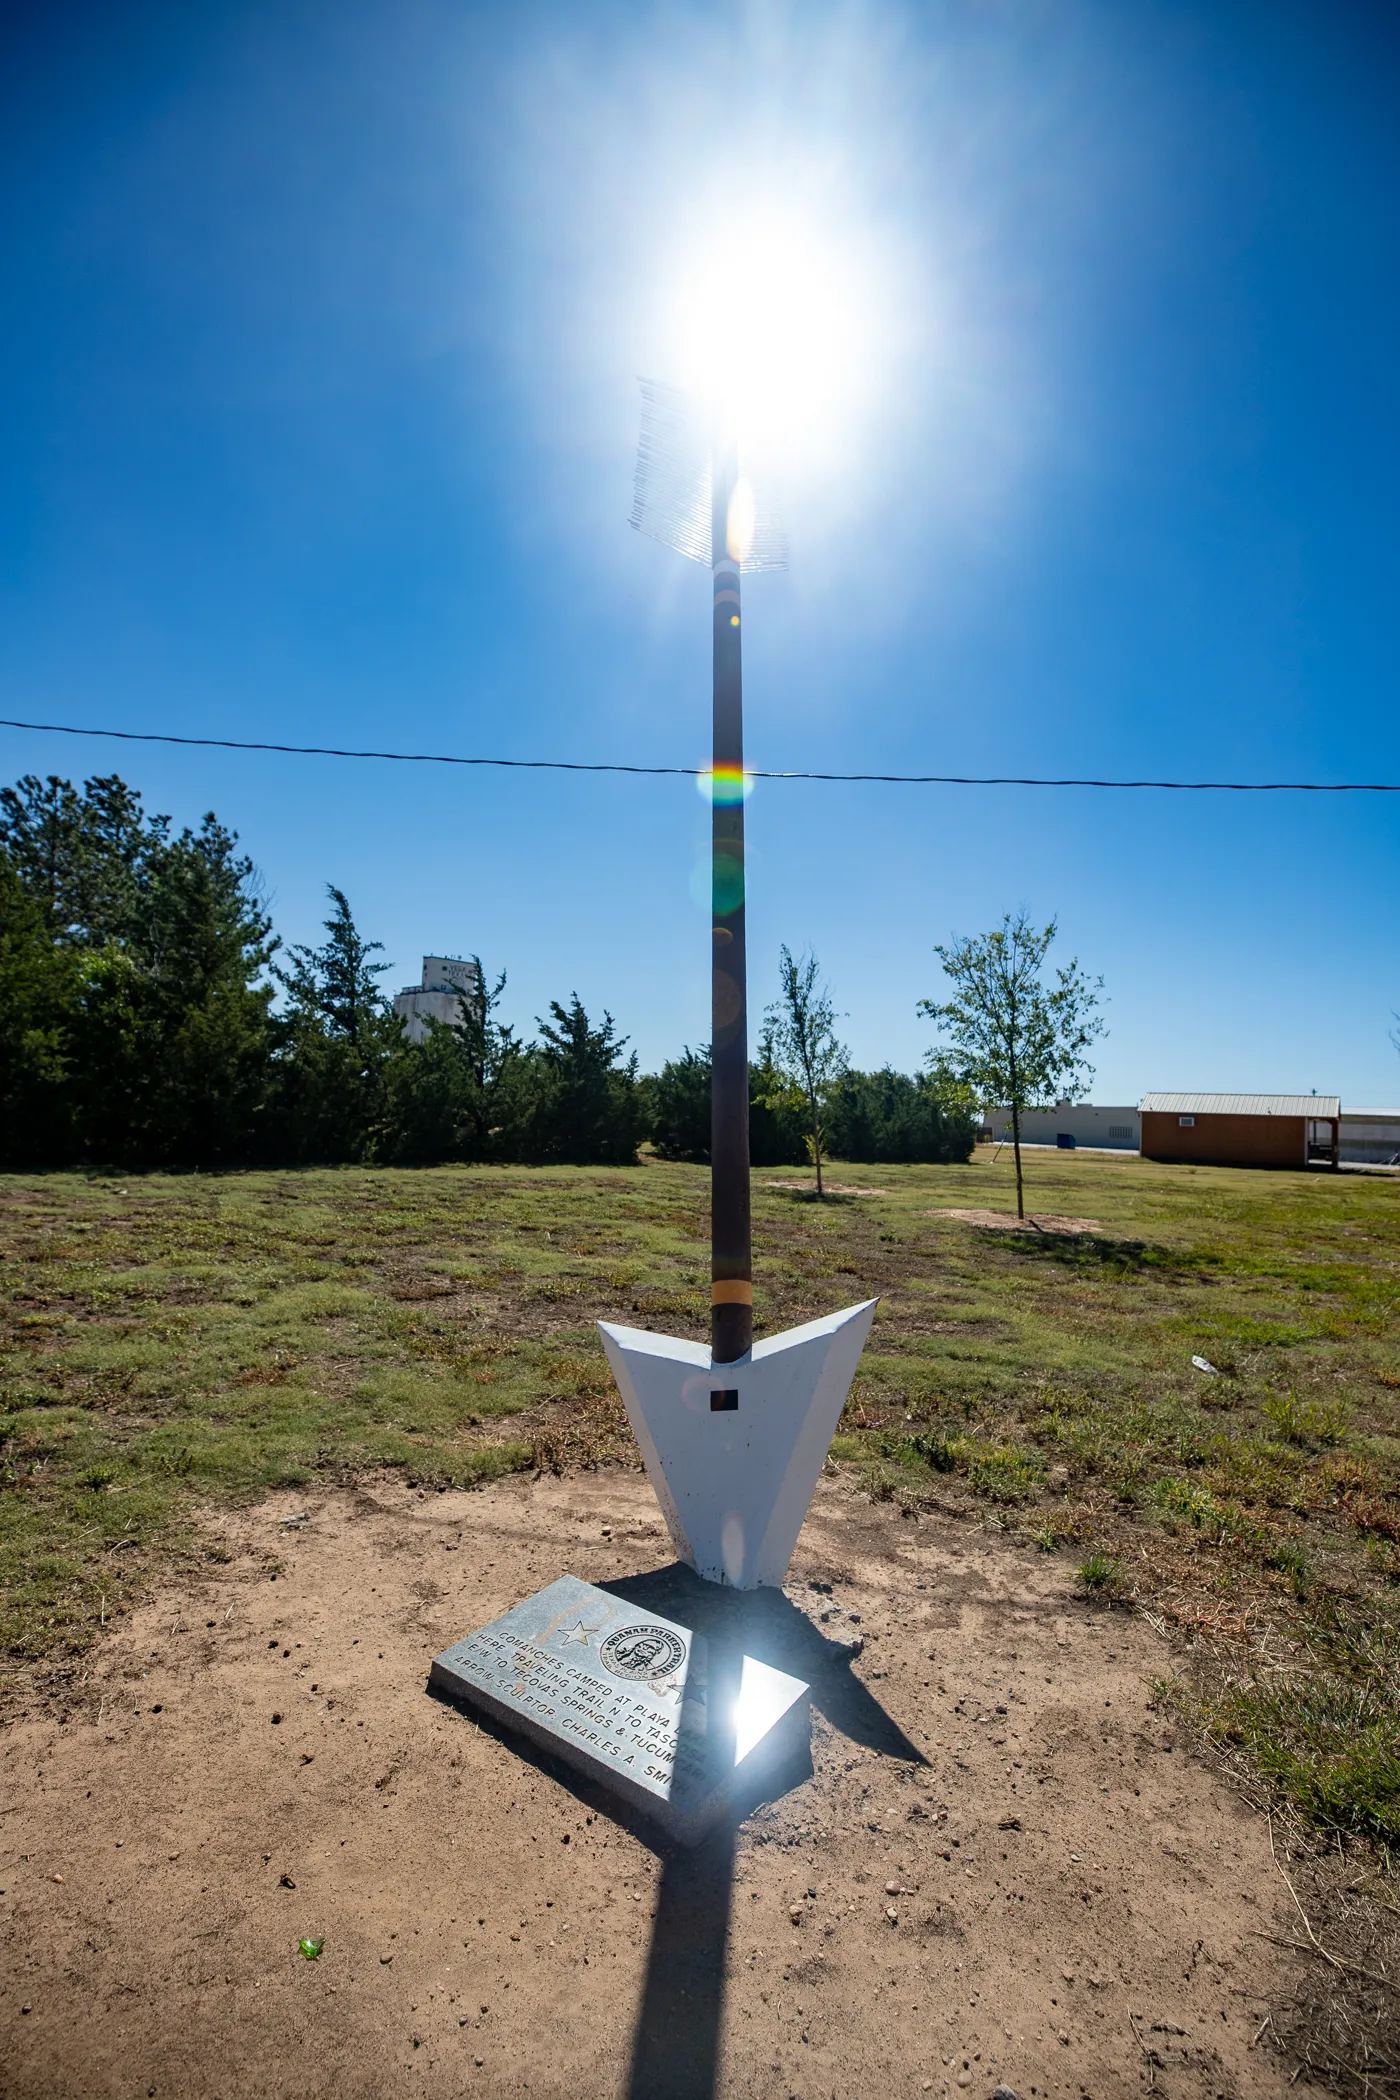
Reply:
x=578, y=765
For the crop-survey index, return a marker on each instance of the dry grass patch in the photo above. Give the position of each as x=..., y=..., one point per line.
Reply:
x=170, y=1343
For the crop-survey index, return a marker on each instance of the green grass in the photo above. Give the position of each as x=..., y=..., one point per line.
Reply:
x=1100, y=1573
x=1325, y=1727
x=171, y=1343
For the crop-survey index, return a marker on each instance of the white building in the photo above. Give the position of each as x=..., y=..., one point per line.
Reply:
x=1079, y=1122
x=1370, y=1137
x=446, y=979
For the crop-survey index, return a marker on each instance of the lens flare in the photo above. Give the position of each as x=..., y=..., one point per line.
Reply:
x=726, y=884
x=739, y=527
x=725, y=786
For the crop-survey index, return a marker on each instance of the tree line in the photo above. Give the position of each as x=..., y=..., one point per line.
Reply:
x=149, y=1016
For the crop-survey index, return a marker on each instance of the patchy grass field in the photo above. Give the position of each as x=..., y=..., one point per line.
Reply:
x=167, y=1339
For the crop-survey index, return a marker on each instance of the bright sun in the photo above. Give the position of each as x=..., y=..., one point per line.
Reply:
x=775, y=321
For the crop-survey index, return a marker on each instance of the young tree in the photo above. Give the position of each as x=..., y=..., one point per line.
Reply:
x=799, y=1041
x=1011, y=1037
x=777, y=1116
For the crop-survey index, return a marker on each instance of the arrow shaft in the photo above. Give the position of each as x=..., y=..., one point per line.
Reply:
x=731, y=1237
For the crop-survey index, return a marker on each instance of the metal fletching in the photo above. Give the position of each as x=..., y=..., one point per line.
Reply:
x=671, y=492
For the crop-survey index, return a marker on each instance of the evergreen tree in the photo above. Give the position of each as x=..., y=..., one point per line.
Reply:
x=198, y=944
x=679, y=1106
x=81, y=858
x=575, y=1100
x=337, y=982
x=448, y=1095
x=888, y=1116
x=39, y=989
x=336, y=1039
x=678, y=1103
x=159, y=1046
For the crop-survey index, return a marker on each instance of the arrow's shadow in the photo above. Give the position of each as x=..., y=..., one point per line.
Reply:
x=676, y=2044
x=676, y=2048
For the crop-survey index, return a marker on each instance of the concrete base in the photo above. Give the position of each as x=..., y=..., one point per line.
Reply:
x=734, y=1450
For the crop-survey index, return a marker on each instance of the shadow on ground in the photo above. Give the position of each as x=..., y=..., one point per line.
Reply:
x=1094, y=1251
x=676, y=2046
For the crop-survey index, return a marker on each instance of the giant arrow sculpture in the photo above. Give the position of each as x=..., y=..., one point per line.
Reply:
x=733, y=1436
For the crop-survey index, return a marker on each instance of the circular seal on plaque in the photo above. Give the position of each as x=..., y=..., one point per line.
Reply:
x=643, y=1653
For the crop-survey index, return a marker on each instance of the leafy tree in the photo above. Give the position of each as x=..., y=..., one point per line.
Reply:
x=799, y=1041
x=888, y=1116
x=135, y=1019
x=1015, y=1040
x=777, y=1114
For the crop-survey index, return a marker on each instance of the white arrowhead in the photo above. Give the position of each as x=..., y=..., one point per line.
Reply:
x=734, y=1482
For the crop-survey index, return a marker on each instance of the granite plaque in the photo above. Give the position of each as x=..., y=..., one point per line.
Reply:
x=680, y=1726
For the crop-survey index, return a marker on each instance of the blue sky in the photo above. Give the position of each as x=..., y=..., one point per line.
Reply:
x=321, y=331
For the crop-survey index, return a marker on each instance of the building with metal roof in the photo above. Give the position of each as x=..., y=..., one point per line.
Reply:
x=1328, y=1106
x=1371, y=1137
x=1243, y=1130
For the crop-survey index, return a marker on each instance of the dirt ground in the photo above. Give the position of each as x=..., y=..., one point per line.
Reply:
x=1004, y=1870
x=1007, y=1221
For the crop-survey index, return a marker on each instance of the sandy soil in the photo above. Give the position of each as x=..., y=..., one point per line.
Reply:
x=1007, y=1221
x=833, y=1188
x=1004, y=1869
